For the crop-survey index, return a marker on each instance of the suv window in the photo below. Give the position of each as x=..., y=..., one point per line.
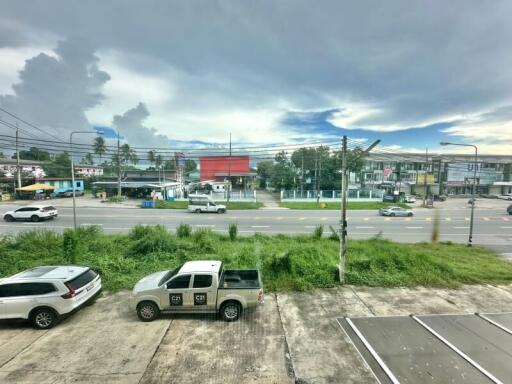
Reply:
x=81, y=280
x=179, y=282
x=202, y=281
x=26, y=289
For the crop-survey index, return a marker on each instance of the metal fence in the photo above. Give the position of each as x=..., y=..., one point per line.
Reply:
x=352, y=194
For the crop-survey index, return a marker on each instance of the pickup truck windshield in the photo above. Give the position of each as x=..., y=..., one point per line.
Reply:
x=169, y=274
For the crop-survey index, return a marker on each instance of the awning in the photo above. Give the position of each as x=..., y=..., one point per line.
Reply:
x=36, y=187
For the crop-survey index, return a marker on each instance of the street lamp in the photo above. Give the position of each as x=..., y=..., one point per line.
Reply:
x=443, y=143
x=73, y=168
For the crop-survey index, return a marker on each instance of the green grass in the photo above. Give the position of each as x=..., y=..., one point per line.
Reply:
x=160, y=204
x=287, y=262
x=352, y=205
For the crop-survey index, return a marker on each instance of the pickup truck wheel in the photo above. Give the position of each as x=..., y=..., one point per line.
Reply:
x=197, y=211
x=147, y=311
x=230, y=311
x=44, y=318
x=221, y=211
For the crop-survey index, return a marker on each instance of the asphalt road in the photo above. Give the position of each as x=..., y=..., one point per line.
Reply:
x=493, y=227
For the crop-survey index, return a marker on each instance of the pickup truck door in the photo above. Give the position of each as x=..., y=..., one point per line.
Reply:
x=178, y=295
x=204, y=291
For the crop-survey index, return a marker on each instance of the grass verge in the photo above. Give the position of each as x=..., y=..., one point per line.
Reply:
x=287, y=262
x=352, y=205
x=160, y=204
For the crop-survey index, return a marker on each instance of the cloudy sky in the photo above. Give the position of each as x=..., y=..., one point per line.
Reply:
x=411, y=73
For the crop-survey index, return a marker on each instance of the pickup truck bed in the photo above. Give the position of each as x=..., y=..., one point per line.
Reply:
x=239, y=279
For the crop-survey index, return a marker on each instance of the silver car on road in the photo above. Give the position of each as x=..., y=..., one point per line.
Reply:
x=395, y=211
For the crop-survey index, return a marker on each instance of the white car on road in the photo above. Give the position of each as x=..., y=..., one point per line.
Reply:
x=204, y=203
x=395, y=211
x=32, y=212
x=43, y=294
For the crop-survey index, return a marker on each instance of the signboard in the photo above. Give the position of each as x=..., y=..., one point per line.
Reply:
x=387, y=172
x=421, y=179
x=464, y=173
x=180, y=156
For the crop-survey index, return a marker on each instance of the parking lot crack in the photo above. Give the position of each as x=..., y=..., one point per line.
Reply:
x=156, y=350
x=362, y=301
x=23, y=350
x=287, y=354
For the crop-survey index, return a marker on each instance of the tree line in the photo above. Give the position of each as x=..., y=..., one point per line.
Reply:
x=309, y=168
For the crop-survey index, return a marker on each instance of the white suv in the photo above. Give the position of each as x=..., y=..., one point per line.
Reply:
x=43, y=294
x=32, y=212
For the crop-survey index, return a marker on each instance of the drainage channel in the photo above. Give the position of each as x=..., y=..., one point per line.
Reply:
x=469, y=349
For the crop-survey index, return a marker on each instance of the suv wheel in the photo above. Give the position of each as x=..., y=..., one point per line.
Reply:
x=147, y=311
x=392, y=214
x=34, y=218
x=230, y=311
x=409, y=214
x=197, y=211
x=8, y=218
x=221, y=210
x=44, y=318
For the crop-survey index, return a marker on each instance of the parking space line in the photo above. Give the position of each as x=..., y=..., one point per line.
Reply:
x=372, y=351
x=457, y=351
x=494, y=323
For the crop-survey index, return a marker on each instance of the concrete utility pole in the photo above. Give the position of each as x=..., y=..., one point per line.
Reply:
x=343, y=219
x=229, y=170
x=475, y=166
x=439, y=176
x=18, y=167
x=425, y=179
x=118, y=166
x=344, y=188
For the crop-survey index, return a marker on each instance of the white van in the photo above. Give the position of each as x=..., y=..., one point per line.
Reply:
x=204, y=203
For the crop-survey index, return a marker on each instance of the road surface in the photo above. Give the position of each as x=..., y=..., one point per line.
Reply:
x=493, y=227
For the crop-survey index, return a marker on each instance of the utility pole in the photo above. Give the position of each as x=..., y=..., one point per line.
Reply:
x=425, y=179
x=229, y=169
x=302, y=178
x=343, y=208
x=343, y=220
x=18, y=168
x=439, y=176
x=118, y=166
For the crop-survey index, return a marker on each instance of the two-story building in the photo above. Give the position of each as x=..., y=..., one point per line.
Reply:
x=88, y=170
x=29, y=168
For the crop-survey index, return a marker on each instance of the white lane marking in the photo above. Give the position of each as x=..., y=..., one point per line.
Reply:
x=89, y=224
x=279, y=218
x=448, y=219
x=387, y=219
x=205, y=225
x=466, y=218
x=408, y=219
x=505, y=218
x=506, y=227
x=428, y=219
x=486, y=219
x=302, y=218
x=260, y=226
x=366, y=219
x=461, y=227
x=309, y=226
x=414, y=227
x=361, y=227
x=32, y=223
x=323, y=218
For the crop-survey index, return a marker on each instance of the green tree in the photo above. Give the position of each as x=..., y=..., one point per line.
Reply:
x=128, y=155
x=35, y=154
x=100, y=148
x=159, y=160
x=88, y=159
x=151, y=157
x=283, y=172
x=264, y=171
x=190, y=166
x=59, y=166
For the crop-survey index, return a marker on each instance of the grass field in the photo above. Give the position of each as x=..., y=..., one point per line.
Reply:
x=353, y=205
x=287, y=262
x=184, y=204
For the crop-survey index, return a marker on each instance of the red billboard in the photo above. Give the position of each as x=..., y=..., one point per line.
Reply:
x=218, y=167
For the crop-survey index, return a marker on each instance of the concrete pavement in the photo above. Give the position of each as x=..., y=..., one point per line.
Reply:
x=294, y=336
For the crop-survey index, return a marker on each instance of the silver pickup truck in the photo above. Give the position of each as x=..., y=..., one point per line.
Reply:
x=198, y=287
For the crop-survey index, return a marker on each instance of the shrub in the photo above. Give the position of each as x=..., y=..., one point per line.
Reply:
x=116, y=199
x=70, y=241
x=318, y=232
x=233, y=231
x=183, y=230
x=334, y=234
x=150, y=239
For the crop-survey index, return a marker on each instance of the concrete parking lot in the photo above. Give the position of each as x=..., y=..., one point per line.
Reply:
x=293, y=336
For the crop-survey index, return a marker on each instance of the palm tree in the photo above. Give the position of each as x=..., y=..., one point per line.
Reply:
x=100, y=147
x=88, y=159
x=152, y=157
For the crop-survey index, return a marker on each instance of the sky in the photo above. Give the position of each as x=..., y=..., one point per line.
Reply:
x=187, y=73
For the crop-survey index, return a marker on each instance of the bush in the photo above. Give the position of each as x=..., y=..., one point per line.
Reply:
x=334, y=234
x=151, y=239
x=116, y=199
x=318, y=232
x=70, y=245
x=183, y=230
x=233, y=231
